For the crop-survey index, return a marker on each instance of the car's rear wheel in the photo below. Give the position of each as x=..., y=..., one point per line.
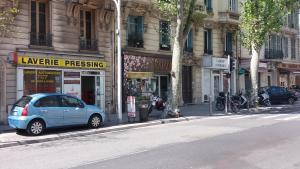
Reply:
x=291, y=100
x=35, y=127
x=95, y=121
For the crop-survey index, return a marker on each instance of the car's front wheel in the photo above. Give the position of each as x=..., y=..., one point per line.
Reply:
x=35, y=127
x=95, y=121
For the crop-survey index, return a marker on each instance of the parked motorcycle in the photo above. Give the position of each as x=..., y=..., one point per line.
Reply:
x=157, y=103
x=264, y=98
x=232, y=100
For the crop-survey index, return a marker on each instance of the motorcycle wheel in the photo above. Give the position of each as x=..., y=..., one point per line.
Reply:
x=234, y=107
x=267, y=103
x=220, y=106
x=150, y=109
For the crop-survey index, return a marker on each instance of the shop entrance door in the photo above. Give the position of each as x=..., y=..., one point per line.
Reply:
x=187, y=91
x=88, y=89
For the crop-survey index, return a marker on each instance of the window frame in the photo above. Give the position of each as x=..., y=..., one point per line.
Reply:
x=93, y=24
x=47, y=13
x=163, y=35
x=188, y=45
x=208, y=41
x=141, y=39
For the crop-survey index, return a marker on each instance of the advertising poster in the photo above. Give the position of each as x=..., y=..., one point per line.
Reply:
x=131, y=106
x=72, y=84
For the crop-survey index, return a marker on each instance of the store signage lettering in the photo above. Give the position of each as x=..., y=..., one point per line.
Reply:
x=33, y=61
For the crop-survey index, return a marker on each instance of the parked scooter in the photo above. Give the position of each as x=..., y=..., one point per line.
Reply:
x=264, y=98
x=157, y=103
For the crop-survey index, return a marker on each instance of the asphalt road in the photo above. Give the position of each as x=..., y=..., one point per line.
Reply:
x=266, y=140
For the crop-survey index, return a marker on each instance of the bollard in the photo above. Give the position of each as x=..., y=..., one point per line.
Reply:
x=210, y=105
x=226, y=104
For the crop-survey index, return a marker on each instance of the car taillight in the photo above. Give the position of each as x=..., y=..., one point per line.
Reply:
x=25, y=111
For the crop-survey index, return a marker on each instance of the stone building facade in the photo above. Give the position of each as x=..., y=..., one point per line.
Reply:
x=59, y=46
x=216, y=38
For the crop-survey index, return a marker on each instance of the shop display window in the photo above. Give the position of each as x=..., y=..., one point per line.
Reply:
x=42, y=81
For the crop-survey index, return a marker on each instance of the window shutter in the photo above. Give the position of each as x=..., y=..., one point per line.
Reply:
x=209, y=37
x=228, y=41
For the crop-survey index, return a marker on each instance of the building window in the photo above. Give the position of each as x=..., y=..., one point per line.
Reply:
x=40, y=24
x=189, y=42
x=228, y=43
x=233, y=5
x=293, y=48
x=274, y=47
x=285, y=43
x=135, y=31
x=208, y=5
x=87, y=31
x=208, y=41
x=164, y=35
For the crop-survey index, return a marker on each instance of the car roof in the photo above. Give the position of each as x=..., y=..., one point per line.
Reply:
x=39, y=95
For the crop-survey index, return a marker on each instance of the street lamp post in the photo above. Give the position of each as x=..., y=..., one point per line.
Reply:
x=119, y=72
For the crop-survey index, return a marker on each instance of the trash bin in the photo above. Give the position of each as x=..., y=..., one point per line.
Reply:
x=143, y=111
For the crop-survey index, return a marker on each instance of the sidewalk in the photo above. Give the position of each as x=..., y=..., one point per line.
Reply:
x=9, y=138
x=187, y=111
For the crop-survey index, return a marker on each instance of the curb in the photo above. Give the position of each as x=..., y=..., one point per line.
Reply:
x=98, y=131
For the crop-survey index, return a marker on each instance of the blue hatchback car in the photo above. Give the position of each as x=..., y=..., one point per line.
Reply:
x=34, y=113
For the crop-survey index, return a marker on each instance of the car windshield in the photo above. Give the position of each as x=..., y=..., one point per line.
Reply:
x=23, y=101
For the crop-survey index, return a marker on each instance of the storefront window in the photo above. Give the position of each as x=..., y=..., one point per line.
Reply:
x=29, y=81
x=42, y=81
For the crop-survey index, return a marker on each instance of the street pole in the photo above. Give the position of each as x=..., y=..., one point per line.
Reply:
x=119, y=66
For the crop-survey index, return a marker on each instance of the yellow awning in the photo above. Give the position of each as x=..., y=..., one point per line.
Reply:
x=139, y=75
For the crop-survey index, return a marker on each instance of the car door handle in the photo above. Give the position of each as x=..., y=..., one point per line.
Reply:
x=66, y=110
x=44, y=111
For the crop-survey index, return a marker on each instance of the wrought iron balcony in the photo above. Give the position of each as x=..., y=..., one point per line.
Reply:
x=209, y=52
x=133, y=42
x=273, y=54
x=189, y=50
x=88, y=44
x=40, y=39
x=164, y=46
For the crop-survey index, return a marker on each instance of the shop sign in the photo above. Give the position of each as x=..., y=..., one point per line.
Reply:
x=215, y=63
x=56, y=62
x=140, y=75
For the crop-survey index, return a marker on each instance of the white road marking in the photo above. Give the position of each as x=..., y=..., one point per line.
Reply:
x=273, y=116
x=293, y=117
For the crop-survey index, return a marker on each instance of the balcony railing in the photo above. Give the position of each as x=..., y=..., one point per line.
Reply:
x=273, y=54
x=131, y=42
x=164, y=46
x=189, y=50
x=40, y=39
x=206, y=51
x=88, y=44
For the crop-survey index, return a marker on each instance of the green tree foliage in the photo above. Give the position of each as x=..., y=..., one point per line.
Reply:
x=186, y=13
x=8, y=11
x=261, y=17
x=193, y=15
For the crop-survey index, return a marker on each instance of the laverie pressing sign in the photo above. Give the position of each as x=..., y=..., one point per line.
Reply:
x=55, y=62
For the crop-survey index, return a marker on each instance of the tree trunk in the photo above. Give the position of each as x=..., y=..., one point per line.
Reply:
x=254, y=72
x=176, y=58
